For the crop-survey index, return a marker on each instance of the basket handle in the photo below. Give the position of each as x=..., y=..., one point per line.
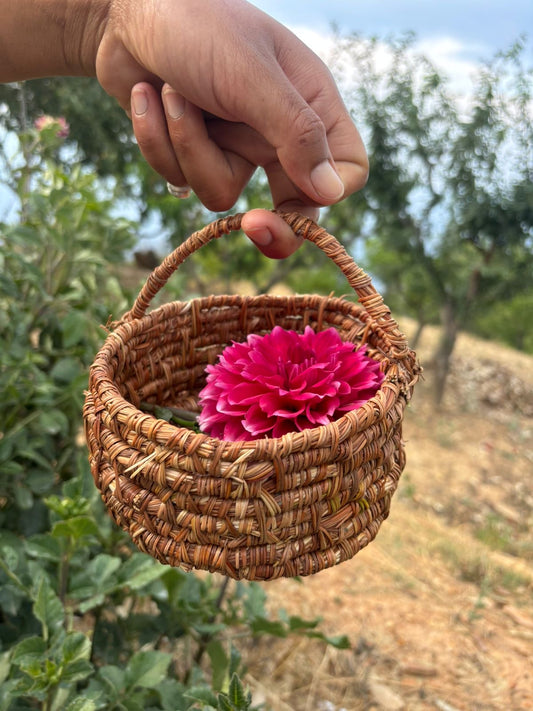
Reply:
x=302, y=226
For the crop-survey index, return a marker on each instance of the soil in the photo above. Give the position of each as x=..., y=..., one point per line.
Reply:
x=438, y=608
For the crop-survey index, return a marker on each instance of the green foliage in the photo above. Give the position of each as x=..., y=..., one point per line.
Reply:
x=55, y=288
x=99, y=130
x=509, y=321
x=86, y=621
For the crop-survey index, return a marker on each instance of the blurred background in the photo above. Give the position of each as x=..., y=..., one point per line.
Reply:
x=437, y=612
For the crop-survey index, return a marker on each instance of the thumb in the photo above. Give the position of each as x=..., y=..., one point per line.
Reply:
x=301, y=114
x=306, y=157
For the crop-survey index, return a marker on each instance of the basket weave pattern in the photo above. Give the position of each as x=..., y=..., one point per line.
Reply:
x=261, y=509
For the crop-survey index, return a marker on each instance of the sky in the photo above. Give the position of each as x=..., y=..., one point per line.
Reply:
x=455, y=34
x=480, y=27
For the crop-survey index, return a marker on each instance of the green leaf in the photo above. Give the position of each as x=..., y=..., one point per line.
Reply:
x=147, y=669
x=209, y=628
x=113, y=678
x=224, y=704
x=134, y=703
x=4, y=667
x=237, y=696
x=90, y=603
x=40, y=482
x=11, y=598
x=76, y=646
x=275, y=628
x=174, y=581
x=6, y=451
x=163, y=413
x=202, y=694
x=53, y=422
x=8, y=691
x=219, y=663
x=254, y=601
x=44, y=547
x=235, y=659
x=47, y=608
x=9, y=555
x=68, y=507
x=31, y=649
x=297, y=623
x=23, y=497
x=76, y=671
x=82, y=704
x=140, y=570
x=74, y=327
x=93, y=698
x=76, y=528
x=101, y=568
x=340, y=641
x=35, y=571
x=171, y=693
x=65, y=370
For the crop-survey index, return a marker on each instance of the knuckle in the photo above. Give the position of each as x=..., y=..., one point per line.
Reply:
x=181, y=141
x=308, y=127
x=147, y=141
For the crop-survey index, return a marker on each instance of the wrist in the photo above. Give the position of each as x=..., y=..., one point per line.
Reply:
x=40, y=38
x=84, y=25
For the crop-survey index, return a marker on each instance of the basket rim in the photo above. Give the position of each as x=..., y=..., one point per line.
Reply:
x=170, y=435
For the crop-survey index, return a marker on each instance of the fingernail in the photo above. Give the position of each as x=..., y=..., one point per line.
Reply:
x=139, y=102
x=262, y=236
x=174, y=103
x=326, y=181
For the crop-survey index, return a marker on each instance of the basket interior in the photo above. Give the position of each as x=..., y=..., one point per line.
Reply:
x=166, y=354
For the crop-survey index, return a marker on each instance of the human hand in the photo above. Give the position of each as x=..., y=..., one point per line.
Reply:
x=216, y=89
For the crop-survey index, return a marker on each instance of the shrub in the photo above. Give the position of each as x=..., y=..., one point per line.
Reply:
x=86, y=622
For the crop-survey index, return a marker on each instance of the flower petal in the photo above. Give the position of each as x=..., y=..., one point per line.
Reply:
x=283, y=382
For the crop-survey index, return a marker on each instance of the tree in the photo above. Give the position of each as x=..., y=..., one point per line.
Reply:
x=449, y=203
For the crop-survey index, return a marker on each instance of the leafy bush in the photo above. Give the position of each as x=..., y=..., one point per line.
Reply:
x=86, y=622
x=509, y=322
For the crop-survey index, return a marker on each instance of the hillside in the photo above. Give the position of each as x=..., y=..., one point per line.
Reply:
x=439, y=606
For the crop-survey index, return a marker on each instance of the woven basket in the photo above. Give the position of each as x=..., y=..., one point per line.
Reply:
x=259, y=510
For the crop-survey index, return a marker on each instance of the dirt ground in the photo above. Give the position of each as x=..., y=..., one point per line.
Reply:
x=439, y=607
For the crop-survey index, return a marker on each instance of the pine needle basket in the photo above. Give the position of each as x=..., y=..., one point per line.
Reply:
x=258, y=510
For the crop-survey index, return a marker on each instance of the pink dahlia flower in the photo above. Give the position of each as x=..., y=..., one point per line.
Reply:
x=43, y=122
x=285, y=382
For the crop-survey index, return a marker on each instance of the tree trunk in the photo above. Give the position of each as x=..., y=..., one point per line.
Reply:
x=418, y=334
x=445, y=349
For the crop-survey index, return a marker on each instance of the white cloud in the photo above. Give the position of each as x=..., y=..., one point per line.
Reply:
x=449, y=56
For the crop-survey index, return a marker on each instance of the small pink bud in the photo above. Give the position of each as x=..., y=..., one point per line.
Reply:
x=43, y=122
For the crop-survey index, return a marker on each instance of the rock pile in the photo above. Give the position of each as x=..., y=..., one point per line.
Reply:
x=484, y=382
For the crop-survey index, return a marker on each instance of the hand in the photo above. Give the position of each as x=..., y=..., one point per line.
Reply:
x=218, y=88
